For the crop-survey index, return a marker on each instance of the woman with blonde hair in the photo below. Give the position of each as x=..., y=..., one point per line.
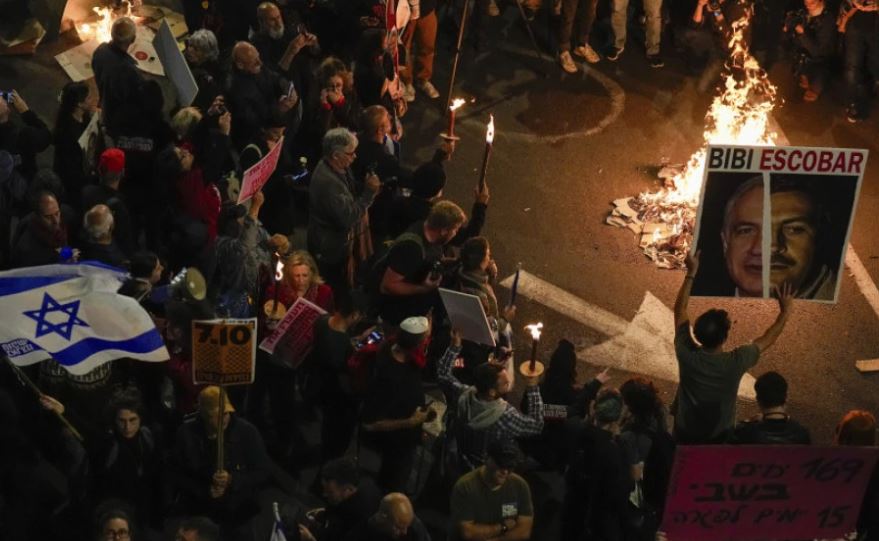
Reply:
x=301, y=279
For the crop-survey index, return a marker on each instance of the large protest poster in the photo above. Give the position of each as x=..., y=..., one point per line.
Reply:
x=175, y=65
x=259, y=173
x=776, y=215
x=468, y=316
x=291, y=341
x=750, y=492
x=223, y=351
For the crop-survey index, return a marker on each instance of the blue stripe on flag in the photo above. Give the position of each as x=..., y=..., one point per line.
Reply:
x=80, y=351
x=19, y=284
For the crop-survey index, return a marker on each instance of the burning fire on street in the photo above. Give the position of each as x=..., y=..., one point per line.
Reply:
x=99, y=30
x=739, y=115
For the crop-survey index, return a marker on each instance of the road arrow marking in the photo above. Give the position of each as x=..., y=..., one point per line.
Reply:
x=643, y=346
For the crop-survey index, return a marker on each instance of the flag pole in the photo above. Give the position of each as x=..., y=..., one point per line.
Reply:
x=221, y=414
x=32, y=386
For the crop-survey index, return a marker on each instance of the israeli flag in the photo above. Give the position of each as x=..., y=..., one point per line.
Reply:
x=72, y=313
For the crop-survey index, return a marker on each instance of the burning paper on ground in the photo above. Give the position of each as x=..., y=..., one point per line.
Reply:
x=739, y=115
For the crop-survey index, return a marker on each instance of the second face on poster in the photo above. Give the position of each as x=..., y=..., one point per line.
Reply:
x=763, y=223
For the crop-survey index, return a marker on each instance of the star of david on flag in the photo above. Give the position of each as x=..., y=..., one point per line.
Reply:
x=72, y=314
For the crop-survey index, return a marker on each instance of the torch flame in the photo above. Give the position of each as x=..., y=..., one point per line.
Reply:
x=279, y=268
x=456, y=103
x=534, y=329
x=739, y=115
x=489, y=130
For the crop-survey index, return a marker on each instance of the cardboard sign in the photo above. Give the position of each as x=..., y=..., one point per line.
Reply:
x=175, y=64
x=223, y=351
x=259, y=173
x=766, y=492
x=776, y=215
x=467, y=315
x=292, y=340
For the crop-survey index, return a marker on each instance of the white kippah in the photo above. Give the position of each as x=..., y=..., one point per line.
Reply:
x=415, y=325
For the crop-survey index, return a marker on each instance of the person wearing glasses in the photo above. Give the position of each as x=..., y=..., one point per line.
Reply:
x=115, y=525
x=338, y=219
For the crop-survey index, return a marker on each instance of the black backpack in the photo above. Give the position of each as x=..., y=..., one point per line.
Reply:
x=378, y=264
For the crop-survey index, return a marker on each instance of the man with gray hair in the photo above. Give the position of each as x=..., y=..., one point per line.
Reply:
x=99, y=246
x=338, y=230
x=286, y=50
x=116, y=74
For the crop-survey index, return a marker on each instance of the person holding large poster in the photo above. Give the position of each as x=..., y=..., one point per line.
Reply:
x=765, y=222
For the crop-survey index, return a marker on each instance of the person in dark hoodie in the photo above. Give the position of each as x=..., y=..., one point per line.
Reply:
x=598, y=481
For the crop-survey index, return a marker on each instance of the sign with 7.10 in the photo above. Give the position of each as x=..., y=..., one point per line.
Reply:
x=223, y=351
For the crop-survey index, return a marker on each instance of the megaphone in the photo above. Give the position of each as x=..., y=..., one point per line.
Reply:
x=188, y=285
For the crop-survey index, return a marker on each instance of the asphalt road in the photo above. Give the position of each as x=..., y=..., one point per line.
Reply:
x=566, y=147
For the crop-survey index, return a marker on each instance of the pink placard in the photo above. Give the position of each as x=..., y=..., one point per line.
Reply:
x=292, y=340
x=259, y=173
x=766, y=492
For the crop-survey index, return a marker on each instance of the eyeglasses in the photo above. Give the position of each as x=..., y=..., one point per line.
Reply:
x=116, y=534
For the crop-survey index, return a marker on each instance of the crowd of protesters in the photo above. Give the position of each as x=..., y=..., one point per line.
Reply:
x=155, y=194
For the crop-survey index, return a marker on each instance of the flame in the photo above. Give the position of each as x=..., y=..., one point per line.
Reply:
x=100, y=29
x=279, y=268
x=456, y=103
x=489, y=130
x=739, y=115
x=534, y=329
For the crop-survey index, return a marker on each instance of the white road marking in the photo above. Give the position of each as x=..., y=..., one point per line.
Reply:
x=862, y=278
x=643, y=346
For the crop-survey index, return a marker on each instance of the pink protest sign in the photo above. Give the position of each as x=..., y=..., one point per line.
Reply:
x=292, y=340
x=766, y=492
x=259, y=173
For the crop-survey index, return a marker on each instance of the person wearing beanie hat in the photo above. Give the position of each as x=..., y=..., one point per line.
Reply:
x=111, y=170
x=598, y=467
x=227, y=493
x=394, y=408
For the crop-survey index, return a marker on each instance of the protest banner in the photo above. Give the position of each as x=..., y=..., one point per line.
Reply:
x=291, y=341
x=175, y=65
x=259, y=173
x=223, y=351
x=467, y=315
x=766, y=492
x=775, y=215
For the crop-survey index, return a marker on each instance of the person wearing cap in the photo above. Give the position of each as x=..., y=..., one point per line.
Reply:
x=227, y=494
x=481, y=414
x=116, y=75
x=394, y=409
x=492, y=502
x=598, y=479
x=111, y=170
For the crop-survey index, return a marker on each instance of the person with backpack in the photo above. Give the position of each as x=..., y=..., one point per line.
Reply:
x=649, y=451
x=413, y=265
x=598, y=480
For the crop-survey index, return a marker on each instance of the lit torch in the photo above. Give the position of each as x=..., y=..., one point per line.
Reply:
x=532, y=369
x=489, y=139
x=450, y=134
x=276, y=309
